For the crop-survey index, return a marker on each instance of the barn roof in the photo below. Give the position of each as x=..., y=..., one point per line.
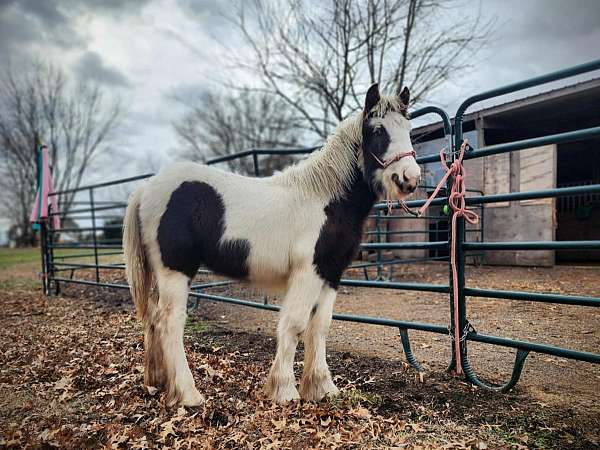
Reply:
x=577, y=102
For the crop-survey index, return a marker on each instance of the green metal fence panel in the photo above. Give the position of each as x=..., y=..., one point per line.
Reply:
x=54, y=263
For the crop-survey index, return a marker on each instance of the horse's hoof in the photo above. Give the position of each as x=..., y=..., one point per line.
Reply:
x=283, y=394
x=333, y=392
x=193, y=399
x=314, y=392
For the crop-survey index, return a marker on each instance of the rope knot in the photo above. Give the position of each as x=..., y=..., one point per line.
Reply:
x=456, y=199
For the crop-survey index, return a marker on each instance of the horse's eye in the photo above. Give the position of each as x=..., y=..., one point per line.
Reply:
x=377, y=130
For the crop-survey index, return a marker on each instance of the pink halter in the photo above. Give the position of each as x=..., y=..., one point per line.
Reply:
x=397, y=157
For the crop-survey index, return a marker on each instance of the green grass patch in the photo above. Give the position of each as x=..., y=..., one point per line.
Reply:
x=355, y=397
x=196, y=327
x=10, y=257
x=13, y=256
x=20, y=283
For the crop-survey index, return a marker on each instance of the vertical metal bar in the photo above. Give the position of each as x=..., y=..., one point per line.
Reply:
x=379, y=259
x=94, y=239
x=44, y=254
x=50, y=255
x=452, y=364
x=255, y=160
x=42, y=225
x=482, y=227
x=460, y=254
x=460, y=271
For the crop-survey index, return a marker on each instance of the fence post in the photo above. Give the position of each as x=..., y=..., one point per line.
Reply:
x=42, y=224
x=49, y=254
x=460, y=259
x=378, y=228
x=255, y=160
x=44, y=254
x=94, y=239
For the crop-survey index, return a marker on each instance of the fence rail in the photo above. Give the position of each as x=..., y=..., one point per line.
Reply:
x=55, y=262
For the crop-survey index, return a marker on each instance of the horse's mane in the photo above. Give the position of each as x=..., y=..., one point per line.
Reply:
x=330, y=171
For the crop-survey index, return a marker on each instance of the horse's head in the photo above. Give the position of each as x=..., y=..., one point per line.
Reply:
x=388, y=155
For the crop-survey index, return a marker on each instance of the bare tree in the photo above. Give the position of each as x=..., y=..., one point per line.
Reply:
x=219, y=125
x=319, y=57
x=74, y=121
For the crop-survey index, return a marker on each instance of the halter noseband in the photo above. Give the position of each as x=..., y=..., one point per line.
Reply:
x=397, y=157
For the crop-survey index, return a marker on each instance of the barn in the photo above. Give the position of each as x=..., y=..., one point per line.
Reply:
x=565, y=109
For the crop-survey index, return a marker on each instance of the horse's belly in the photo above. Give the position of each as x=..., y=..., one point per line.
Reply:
x=268, y=263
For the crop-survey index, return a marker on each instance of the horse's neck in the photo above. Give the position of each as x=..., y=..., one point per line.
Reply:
x=330, y=172
x=354, y=207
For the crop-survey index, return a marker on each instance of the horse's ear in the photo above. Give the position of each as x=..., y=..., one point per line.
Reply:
x=371, y=99
x=404, y=96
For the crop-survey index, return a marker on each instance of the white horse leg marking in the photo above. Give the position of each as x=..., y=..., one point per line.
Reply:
x=316, y=380
x=303, y=292
x=171, y=313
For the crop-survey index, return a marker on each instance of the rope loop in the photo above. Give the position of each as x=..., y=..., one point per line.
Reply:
x=457, y=202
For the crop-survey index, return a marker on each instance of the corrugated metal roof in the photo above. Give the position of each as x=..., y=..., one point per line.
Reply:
x=520, y=102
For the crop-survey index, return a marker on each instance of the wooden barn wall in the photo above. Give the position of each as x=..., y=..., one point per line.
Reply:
x=526, y=220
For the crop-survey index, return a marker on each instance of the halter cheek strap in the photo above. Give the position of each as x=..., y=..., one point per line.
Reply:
x=397, y=157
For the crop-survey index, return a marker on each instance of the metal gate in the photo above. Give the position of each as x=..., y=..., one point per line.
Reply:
x=79, y=252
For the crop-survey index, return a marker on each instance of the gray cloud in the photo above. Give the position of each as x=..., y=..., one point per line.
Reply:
x=91, y=67
x=112, y=7
x=24, y=23
x=556, y=19
x=532, y=37
x=211, y=13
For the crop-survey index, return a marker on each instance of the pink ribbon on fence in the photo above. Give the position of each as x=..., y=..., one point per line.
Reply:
x=43, y=199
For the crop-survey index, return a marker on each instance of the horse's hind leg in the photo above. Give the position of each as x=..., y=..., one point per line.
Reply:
x=303, y=291
x=316, y=380
x=154, y=370
x=169, y=323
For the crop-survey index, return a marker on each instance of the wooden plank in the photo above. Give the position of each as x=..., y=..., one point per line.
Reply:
x=537, y=171
x=497, y=177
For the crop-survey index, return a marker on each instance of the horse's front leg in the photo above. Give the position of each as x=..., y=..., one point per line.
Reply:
x=303, y=290
x=316, y=381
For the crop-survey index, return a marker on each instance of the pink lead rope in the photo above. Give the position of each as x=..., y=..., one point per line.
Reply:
x=456, y=200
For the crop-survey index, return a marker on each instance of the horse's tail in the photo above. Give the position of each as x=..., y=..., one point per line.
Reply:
x=139, y=273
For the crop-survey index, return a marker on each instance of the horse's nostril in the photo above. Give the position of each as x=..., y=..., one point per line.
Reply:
x=396, y=180
x=406, y=180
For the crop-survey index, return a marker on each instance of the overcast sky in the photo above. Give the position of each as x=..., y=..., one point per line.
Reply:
x=145, y=50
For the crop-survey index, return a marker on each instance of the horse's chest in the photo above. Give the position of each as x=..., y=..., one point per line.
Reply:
x=340, y=235
x=337, y=244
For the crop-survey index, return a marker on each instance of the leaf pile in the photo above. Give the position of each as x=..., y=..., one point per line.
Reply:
x=71, y=373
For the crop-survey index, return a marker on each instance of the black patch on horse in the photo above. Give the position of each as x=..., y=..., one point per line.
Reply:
x=376, y=141
x=191, y=230
x=341, y=233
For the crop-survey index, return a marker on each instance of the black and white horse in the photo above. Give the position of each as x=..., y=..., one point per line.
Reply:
x=297, y=231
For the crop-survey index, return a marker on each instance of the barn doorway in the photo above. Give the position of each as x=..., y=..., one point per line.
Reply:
x=578, y=217
x=438, y=227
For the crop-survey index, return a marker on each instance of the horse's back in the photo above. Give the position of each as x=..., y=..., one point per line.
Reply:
x=194, y=215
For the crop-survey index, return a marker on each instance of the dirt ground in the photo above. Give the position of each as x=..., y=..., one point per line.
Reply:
x=550, y=379
x=71, y=372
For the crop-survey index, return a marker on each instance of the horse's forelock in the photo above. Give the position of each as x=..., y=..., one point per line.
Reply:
x=388, y=104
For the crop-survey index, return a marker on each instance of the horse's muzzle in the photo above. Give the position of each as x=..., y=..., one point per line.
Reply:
x=406, y=186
